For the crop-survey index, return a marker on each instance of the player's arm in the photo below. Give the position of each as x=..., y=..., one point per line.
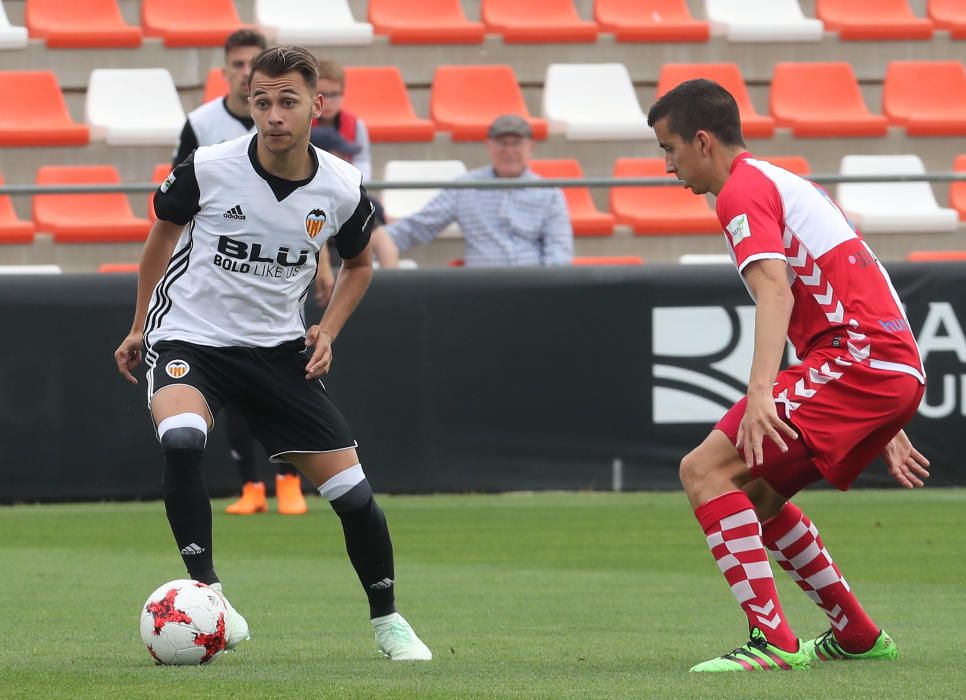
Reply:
x=905, y=463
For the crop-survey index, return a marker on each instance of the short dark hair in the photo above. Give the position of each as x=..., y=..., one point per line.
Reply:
x=280, y=60
x=245, y=37
x=331, y=70
x=699, y=105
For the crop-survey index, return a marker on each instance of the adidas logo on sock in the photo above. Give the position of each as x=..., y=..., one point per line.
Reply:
x=192, y=549
x=235, y=213
x=382, y=585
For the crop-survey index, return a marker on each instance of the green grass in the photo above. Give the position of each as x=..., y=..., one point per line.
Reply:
x=521, y=595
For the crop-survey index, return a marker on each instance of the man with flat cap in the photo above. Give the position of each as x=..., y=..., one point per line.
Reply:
x=503, y=226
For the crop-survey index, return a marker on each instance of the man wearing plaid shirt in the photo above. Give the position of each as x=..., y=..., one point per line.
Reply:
x=511, y=226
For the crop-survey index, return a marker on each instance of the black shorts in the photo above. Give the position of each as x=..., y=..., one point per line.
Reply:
x=286, y=412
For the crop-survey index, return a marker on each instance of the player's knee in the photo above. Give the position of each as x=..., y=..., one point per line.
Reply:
x=348, y=490
x=183, y=432
x=689, y=471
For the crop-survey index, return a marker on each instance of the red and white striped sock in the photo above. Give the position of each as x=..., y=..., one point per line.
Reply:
x=795, y=543
x=734, y=536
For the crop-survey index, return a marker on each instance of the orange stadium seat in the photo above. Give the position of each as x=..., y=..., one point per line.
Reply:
x=117, y=268
x=727, y=75
x=465, y=99
x=872, y=21
x=189, y=22
x=821, y=99
x=12, y=229
x=928, y=98
x=650, y=20
x=161, y=171
x=608, y=260
x=936, y=256
x=378, y=95
x=585, y=218
x=957, y=190
x=949, y=15
x=423, y=22
x=659, y=210
x=215, y=85
x=793, y=164
x=86, y=218
x=69, y=24
x=35, y=113
x=536, y=21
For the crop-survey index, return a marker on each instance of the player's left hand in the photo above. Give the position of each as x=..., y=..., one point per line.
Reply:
x=760, y=421
x=905, y=463
x=321, y=358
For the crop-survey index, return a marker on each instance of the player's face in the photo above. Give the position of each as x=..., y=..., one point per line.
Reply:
x=238, y=66
x=283, y=109
x=509, y=154
x=683, y=158
x=331, y=97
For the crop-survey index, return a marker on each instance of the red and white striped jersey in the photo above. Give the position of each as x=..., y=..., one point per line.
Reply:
x=843, y=296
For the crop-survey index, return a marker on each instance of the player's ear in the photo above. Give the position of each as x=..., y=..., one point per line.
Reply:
x=704, y=142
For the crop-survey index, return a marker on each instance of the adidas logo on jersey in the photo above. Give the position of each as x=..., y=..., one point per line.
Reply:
x=192, y=549
x=235, y=213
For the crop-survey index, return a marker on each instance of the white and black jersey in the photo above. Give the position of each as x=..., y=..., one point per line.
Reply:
x=209, y=124
x=249, y=253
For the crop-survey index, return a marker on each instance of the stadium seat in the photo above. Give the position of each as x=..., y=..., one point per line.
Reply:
x=158, y=175
x=593, y=101
x=117, y=268
x=949, y=15
x=11, y=37
x=936, y=256
x=464, y=100
x=957, y=190
x=189, y=22
x=536, y=21
x=928, y=98
x=862, y=20
x=585, y=218
x=659, y=210
x=12, y=229
x=608, y=260
x=399, y=204
x=649, y=20
x=378, y=95
x=821, y=99
x=705, y=259
x=68, y=24
x=30, y=270
x=727, y=75
x=311, y=23
x=424, y=22
x=891, y=207
x=36, y=113
x=761, y=20
x=215, y=85
x=86, y=218
x=133, y=106
x=793, y=164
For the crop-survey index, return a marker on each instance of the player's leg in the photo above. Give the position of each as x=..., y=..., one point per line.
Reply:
x=241, y=443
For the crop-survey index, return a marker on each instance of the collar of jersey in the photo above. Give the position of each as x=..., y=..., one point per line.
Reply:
x=281, y=187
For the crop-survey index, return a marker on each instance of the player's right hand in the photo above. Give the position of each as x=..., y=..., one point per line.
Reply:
x=761, y=420
x=128, y=355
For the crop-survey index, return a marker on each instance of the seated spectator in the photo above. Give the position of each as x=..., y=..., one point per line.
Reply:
x=353, y=129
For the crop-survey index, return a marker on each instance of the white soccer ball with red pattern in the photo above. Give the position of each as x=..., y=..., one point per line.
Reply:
x=183, y=623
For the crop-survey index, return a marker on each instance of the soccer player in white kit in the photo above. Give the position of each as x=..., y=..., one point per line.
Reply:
x=222, y=279
x=816, y=282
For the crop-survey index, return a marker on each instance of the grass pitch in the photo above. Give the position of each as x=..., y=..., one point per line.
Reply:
x=583, y=595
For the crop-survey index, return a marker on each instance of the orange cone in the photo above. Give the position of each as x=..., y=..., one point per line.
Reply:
x=288, y=489
x=252, y=500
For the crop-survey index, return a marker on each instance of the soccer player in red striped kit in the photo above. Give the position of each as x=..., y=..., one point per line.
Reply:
x=815, y=281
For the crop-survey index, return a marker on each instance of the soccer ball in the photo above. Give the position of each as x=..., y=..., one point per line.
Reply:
x=183, y=623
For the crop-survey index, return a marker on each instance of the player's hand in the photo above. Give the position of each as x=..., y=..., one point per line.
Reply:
x=324, y=284
x=905, y=463
x=760, y=421
x=321, y=359
x=128, y=355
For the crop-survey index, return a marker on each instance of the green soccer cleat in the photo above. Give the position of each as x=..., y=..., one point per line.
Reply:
x=826, y=648
x=756, y=655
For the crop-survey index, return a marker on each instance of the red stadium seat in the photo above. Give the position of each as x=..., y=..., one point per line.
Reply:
x=928, y=98
x=12, y=229
x=117, y=268
x=936, y=256
x=753, y=125
x=536, y=21
x=957, y=190
x=215, y=85
x=161, y=171
x=86, y=218
x=465, y=99
x=585, y=218
x=424, y=22
x=35, y=113
x=821, y=99
x=69, y=24
x=793, y=164
x=862, y=20
x=189, y=22
x=378, y=95
x=650, y=20
x=949, y=15
x=659, y=210
x=609, y=260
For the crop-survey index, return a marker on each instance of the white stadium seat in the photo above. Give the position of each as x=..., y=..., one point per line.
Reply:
x=705, y=259
x=30, y=270
x=133, y=106
x=11, y=37
x=401, y=203
x=892, y=207
x=762, y=20
x=311, y=23
x=593, y=101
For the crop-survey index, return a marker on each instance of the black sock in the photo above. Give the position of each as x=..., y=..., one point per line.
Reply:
x=241, y=443
x=369, y=546
x=189, y=509
x=286, y=469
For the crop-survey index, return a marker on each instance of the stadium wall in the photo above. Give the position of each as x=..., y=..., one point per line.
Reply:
x=455, y=380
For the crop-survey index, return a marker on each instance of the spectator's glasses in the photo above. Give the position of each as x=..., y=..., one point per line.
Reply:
x=331, y=95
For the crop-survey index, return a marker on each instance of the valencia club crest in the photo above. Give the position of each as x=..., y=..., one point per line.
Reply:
x=314, y=222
